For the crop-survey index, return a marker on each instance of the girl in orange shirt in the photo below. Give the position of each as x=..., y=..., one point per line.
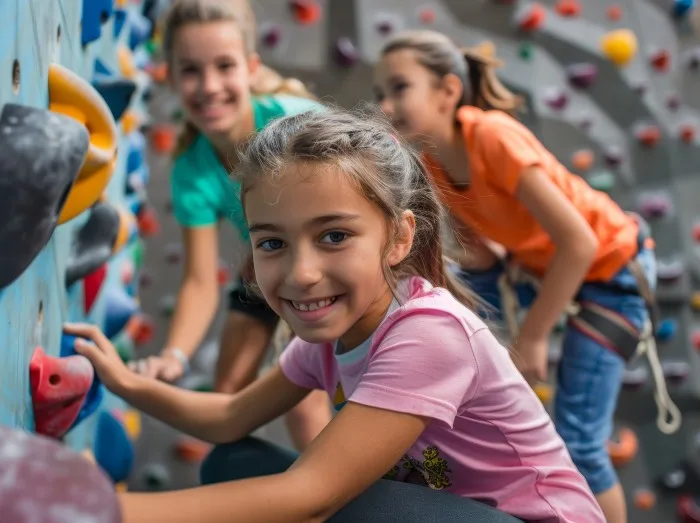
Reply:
x=502, y=186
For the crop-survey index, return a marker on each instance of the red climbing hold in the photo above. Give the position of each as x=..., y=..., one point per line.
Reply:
x=427, y=15
x=614, y=12
x=660, y=60
x=92, y=283
x=305, y=12
x=696, y=233
x=58, y=388
x=695, y=340
x=688, y=510
x=191, y=450
x=223, y=274
x=163, y=138
x=648, y=135
x=532, y=18
x=569, y=8
x=142, y=329
x=147, y=218
x=687, y=133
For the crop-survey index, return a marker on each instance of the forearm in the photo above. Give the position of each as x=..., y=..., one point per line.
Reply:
x=560, y=284
x=268, y=499
x=194, y=312
x=206, y=416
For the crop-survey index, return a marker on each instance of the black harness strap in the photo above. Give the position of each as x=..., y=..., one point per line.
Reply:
x=609, y=328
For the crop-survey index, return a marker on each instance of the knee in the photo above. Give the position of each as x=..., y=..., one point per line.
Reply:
x=591, y=457
x=219, y=465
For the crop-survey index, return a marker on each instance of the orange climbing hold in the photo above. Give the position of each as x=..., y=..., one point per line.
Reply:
x=126, y=62
x=648, y=135
x=644, y=499
x=130, y=122
x=582, y=160
x=158, y=72
x=614, y=12
x=71, y=95
x=532, y=18
x=305, y=12
x=568, y=8
x=191, y=450
x=163, y=138
x=660, y=60
x=624, y=449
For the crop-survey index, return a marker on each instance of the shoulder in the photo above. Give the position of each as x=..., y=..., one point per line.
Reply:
x=189, y=161
x=270, y=107
x=498, y=126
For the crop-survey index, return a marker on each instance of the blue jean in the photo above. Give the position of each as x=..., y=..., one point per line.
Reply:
x=385, y=501
x=589, y=376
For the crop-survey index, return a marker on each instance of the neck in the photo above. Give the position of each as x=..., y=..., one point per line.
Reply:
x=369, y=322
x=226, y=144
x=448, y=147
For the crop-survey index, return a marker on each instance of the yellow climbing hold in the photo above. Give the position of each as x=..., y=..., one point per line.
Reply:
x=132, y=423
x=619, y=46
x=121, y=487
x=695, y=301
x=544, y=392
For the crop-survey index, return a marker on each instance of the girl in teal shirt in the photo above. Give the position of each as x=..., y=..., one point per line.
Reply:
x=226, y=94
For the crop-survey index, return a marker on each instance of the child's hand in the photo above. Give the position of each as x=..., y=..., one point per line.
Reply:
x=530, y=357
x=104, y=357
x=166, y=367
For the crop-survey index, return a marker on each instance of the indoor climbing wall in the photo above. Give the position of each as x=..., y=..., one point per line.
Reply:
x=72, y=197
x=613, y=89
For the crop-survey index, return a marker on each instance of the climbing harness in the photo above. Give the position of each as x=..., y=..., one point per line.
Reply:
x=607, y=327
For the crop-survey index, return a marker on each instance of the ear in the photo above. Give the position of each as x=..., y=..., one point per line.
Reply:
x=453, y=89
x=253, y=64
x=403, y=241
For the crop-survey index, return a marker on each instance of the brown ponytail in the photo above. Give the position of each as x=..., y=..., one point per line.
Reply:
x=486, y=89
x=269, y=81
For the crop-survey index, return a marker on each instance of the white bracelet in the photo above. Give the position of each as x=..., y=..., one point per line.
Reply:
x=181, y=357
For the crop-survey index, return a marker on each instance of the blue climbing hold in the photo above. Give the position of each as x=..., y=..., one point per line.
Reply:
x=95, y=13
x=141, y=28
x=113, y=449
x=117, y=92
x=136, y=156
x=119, y=20
x=119, y=308
x=667, y=329
x=93, y=398
x=101, y=70
x=683, y=7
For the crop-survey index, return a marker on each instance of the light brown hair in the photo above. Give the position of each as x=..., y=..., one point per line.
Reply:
x=475, y=68
x=384, y=168
x=185, y=12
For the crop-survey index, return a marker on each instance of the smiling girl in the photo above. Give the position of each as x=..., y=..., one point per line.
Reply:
x=432, y=413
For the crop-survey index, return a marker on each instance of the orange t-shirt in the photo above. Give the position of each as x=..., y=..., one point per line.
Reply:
x=499, y=149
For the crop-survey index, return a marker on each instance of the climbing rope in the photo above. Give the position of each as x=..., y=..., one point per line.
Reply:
x=669, y=416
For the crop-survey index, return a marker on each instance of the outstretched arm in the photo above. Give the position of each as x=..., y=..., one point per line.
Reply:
x=217, y=418
x=356, y=449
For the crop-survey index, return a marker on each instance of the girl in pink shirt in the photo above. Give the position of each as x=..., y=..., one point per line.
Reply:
x=346, y=236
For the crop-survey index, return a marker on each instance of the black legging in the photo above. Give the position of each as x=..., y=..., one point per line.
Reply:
x=385, y=501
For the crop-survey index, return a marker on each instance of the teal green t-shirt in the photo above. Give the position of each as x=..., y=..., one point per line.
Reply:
x=202, y=190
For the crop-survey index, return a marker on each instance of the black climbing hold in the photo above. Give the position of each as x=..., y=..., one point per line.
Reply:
x=93, y=242
x=42, y=153
x=117, y=92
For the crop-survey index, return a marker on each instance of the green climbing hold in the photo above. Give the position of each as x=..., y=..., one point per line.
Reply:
x=138, y=252
x=601, y=180
x=151, y=47
x=177, y=115
x=124, y=345
x=526, y=51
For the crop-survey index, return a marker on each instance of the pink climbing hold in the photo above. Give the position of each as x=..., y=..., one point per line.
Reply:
x=673, y=101
x=427, y=15
x=582, y=75
x=614, y=12
x=695, y=340
x=675, y=372
x=58, y=388
x=655, y=206
x=532, y=18
x=696, y=233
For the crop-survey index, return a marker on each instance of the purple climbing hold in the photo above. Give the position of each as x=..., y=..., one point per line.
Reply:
x=635, y=378
x=173, y=253
x=655, y=206
x=673, y=102
x=384, y=26
x=345, y=52
x=640, y=88
x=582, y=75
x=556, y=99
x=272, y=35
x=670, y=271
x=585, y=123
x=675, y=372
x=66, y=487
x=613, y=156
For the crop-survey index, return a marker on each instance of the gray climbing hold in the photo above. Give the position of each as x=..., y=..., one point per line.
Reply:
x=42, y=153
x=582, y=75
x=670, y=271
x=635, y=378
x=613, y=156
x=156, y=476
x=675, y=371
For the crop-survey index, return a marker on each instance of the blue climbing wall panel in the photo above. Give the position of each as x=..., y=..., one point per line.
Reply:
x=80, y=36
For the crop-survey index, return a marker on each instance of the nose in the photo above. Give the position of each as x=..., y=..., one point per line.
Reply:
x=305, y=268
x=387, y=106
x=211, y=82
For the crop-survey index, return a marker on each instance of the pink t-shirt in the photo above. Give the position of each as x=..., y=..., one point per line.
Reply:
x=491, y=439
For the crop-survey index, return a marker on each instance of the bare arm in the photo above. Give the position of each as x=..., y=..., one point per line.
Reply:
x=473, y=252
x=198, y=297
x=319, y=484
x=576, y=247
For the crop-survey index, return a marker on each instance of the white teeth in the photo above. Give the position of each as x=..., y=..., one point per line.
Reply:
x=312, y=306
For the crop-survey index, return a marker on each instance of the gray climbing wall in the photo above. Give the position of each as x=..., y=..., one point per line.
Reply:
x=629, y=130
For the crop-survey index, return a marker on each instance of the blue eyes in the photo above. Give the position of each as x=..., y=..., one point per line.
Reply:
x=333, y=237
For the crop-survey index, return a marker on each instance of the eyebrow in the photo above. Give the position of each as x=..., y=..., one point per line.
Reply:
x=319, y=220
